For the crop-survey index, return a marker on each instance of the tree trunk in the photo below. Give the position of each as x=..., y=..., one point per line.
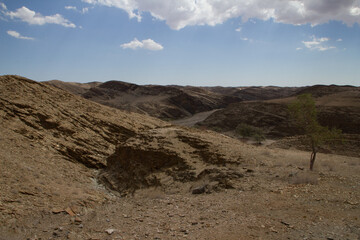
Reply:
x=312, y=159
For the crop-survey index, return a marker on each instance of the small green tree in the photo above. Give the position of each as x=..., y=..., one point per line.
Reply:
x=303, y=113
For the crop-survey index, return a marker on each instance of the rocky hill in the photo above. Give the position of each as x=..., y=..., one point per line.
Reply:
x=323, y=90
x=256, y=93
x=56, y=148
x=164, y=102
x=170, y=102
x=337, y=106
x=74, y=169
x=74, y=87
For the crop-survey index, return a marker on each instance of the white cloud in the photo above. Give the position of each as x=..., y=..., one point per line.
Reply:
x=355, y=11
x=298, y=49
x=318, y=44
x=71, y=8
x=181, y=13
x=339, y=40
x=83, y=11
x=134, y=44
x=238, y=29
x=18, y=35
x=247, y=39
x=148, y=44
x=31, y=17
x=3, y=6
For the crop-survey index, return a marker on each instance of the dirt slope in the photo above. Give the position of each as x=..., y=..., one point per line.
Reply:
x=65, y=163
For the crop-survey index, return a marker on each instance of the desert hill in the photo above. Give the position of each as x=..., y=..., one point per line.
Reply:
x=75, y=169
x=338, y=106
x=256, y=93
x=170, y=102
x=323, y=90
x=57, y=148
x=164, y=102
x=73, y=87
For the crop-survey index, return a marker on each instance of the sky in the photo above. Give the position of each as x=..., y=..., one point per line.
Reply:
x=183, y=42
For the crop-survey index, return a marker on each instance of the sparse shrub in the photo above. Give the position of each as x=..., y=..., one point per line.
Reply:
x=304, y=115
x=248, y=131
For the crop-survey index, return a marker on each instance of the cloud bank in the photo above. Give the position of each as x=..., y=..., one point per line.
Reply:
x=18, y=35
x=181, y=13
x=148, y=44
x=33, y=18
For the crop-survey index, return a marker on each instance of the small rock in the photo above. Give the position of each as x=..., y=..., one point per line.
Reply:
x=69, y=211
x=110, y=231
x=285, y=223
x=199, y=190
x=78, y=220
x=59, y=229
x=57, y=210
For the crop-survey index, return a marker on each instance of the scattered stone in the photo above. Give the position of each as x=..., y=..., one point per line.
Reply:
x=199, y=190
x=69, y=211
x=110, y=231
x=57, y=210
x=60, y=229
x=26, y=192
x=77, y=220
x=72, y=236
x=285, y=223
x=351, y=202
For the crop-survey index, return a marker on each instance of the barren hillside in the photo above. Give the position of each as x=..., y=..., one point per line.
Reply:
x=165, y=102
x=338, y=108
x=256, y=93
x=75, y=169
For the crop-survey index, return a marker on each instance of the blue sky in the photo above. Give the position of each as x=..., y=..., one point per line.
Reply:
x=183, y=42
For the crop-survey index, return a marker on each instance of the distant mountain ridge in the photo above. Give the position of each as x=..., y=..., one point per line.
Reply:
x=170, y=102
